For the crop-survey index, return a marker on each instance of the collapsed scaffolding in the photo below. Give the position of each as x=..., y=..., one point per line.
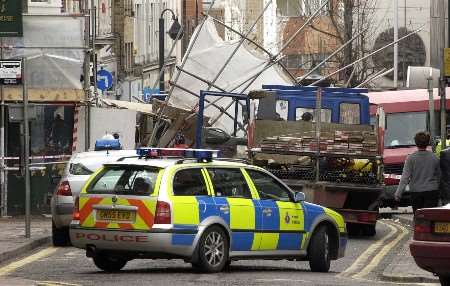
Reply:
x=211, y=63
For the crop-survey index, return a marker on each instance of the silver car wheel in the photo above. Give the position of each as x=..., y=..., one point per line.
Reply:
x=214, y=248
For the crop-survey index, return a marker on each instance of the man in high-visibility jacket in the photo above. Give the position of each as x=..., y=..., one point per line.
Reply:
x=445, y=176
x=438, y=148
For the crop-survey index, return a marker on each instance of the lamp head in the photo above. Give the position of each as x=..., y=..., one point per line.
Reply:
x=175, y=29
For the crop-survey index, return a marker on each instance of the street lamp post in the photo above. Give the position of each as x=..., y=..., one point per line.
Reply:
x=173, y=34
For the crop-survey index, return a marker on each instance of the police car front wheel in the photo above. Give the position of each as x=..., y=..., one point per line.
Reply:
x=319, y=250
x=213, y=250
x=108, y=263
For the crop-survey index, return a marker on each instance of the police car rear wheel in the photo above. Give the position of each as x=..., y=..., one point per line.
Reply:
x=108, y=263
x=319, y=250
x=213, y=250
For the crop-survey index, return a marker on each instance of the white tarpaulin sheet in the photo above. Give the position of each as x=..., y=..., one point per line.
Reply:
x=208, y=55
x=58, y=62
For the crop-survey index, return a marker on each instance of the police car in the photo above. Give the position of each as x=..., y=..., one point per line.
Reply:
x=189, y=204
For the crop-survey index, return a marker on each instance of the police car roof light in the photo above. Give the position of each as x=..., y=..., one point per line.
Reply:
x=199, y=154
x=107, y=144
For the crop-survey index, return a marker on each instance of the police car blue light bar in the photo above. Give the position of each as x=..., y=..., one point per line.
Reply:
x=107, y=144
x=199, y=154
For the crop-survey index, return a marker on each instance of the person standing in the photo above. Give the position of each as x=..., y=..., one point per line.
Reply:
x=422, y=173
x=58, y=129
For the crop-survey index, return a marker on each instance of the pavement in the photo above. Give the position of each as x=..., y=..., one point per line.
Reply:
x=403, y=268
x=13, y=242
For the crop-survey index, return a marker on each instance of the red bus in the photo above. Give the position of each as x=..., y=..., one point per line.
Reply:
x=407, y=112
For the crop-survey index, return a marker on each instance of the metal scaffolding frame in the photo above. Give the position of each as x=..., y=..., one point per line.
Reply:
x=273, y=59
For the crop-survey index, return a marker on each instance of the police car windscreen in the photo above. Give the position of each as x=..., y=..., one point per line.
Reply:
x=129, y=180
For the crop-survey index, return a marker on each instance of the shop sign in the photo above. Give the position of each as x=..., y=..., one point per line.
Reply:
x=11, y=18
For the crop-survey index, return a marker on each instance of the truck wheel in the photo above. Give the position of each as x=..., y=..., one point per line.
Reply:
x=108, y=263
x=60, y=236
x=213, y=250
x=369, y=230
x=319, y=250
x=445, y=280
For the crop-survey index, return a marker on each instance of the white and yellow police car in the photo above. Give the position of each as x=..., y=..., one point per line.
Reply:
x=188, y=204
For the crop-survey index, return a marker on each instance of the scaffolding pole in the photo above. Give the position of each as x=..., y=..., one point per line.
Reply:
x=294, y=36
x=329, y=57
x=288, y=42
x=177, y=76
x=379, y=74
x=87, y=78
x=271, y=56
x=212, y=83
x=3, y=185
x=222, y=69
x=367, y=56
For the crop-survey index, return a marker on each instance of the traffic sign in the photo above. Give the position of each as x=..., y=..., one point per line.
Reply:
x=447, y=62
x=10, y=72
x=104, y=80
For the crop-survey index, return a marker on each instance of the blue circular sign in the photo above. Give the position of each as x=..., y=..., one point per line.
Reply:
x=104, y=80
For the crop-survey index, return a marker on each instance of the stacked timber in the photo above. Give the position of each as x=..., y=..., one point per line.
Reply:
x=338, y=142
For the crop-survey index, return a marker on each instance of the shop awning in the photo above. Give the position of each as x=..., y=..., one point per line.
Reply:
x=136, y=106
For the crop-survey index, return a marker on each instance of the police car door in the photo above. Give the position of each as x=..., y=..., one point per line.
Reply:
x=234, y=203
x=191, y=202
x=282, y=219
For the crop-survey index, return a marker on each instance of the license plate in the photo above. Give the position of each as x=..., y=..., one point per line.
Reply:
x=115, y=215
x=442, y=227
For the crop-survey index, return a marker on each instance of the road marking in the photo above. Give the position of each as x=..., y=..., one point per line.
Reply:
x=54, y=283
x=17, y=264
x=365, y=256
x=383, y=252
x=281, y=280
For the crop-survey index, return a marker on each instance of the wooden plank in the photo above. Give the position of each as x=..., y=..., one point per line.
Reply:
x=45, y=95
x=270, y=128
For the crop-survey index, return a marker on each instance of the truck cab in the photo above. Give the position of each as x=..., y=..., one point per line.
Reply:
x=339, y=105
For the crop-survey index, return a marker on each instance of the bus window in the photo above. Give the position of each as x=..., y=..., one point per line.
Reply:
x=350, y=113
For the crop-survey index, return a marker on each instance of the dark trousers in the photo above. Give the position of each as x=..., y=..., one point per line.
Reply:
x=421, y=200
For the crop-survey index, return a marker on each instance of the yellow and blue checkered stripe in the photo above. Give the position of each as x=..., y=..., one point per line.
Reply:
x=287, y=228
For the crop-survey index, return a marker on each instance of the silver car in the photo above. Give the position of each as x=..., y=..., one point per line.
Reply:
x=80, y=167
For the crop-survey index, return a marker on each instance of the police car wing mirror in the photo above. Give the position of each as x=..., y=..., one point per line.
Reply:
x=299, y=197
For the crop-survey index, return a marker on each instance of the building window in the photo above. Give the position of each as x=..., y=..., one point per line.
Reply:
x=129, y=8
x=289, y=8
x=51, y=131
x=294, y=61
x=311, y=6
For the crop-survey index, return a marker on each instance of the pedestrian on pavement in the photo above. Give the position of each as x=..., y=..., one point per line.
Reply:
x=57, y=132
x=422, y=173
x=445, y=176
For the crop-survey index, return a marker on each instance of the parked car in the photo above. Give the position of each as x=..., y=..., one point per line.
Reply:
x=166, y=204
x=80, y=167
x=431, y=244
